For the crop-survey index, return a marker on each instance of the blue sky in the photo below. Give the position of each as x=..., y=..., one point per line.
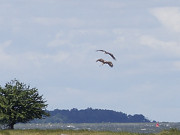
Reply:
x=51, y=45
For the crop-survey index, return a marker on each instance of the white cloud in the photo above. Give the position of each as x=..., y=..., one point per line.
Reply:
x=169, y=17
x=97, y=32
x=5, y=58
x=49, y=21
x=113, y=4
x=41, y=59
x=25, y=60
x=152, y=42
x=60, y=57
x=59, y=40
x=176, y=64
x=119, y=40
x=5, y=44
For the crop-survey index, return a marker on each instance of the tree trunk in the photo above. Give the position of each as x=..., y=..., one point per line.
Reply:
x=11, y=126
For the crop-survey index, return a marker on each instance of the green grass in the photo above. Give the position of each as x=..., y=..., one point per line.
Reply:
x=79, y=132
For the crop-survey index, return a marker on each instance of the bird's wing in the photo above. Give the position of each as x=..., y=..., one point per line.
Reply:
x=109, y=63
x=100, y=60
x=101, y=50
x=107, y=53
x=112, y=56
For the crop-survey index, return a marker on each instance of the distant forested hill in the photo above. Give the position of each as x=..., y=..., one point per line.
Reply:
x=90, y=115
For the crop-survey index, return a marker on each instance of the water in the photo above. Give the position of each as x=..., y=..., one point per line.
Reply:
x=129, y=127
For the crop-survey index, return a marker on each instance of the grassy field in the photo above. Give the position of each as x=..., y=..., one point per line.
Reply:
x=79, y=132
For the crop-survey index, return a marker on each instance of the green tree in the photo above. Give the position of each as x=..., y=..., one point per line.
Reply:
x=19, y=104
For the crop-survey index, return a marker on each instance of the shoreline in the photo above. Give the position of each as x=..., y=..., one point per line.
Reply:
x=78, y=132
x=112, y=127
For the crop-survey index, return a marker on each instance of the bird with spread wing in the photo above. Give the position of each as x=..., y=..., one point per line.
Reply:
x=105, y=62
x=107, y=53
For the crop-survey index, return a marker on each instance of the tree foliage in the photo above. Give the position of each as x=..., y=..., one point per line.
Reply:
x=20, y=103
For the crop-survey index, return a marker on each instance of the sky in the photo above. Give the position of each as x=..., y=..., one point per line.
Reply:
x=51, y=45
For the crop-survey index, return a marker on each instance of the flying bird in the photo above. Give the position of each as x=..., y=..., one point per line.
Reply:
x=107, y=53
x=105, y=62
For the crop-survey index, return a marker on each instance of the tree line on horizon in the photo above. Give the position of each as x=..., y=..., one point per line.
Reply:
x=90, y=115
